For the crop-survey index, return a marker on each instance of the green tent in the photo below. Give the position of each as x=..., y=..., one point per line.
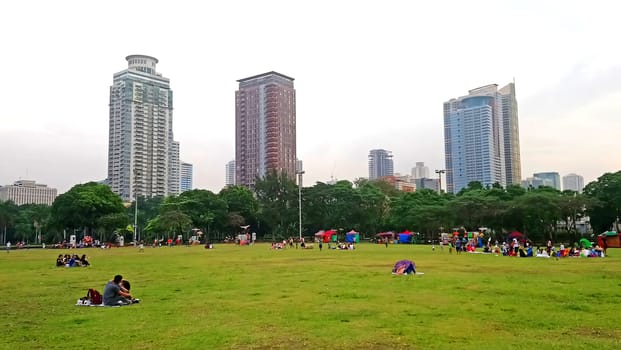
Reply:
x=585, y=243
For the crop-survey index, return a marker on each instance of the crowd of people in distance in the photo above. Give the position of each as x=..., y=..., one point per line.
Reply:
x=291, y=242
x=523, y=248
x=72, y=260
x=343, y=246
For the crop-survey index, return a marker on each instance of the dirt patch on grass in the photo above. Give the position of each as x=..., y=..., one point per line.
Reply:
x=597, y=333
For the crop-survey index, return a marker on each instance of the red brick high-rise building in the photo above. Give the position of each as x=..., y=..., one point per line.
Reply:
x=265, y=137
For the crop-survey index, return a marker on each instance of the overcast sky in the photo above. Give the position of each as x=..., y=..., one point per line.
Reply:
x=368, y=74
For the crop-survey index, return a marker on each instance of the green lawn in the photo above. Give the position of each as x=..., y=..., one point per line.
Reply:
x=255, y=298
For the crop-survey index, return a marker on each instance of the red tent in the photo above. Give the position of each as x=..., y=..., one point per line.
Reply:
x=325, y=236
x=388, y=234
x=517, y=235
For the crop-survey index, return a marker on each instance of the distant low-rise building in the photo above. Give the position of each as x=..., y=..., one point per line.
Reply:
x=536, y=182
x=573, y=182
x=28, y=192
x=427, y=183
x=552, y=177
x=401, y=183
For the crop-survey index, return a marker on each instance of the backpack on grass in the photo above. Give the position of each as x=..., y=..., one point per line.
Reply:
x=94, y=297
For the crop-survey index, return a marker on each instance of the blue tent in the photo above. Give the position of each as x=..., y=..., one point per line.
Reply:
x=405, y=237
x=352, y=237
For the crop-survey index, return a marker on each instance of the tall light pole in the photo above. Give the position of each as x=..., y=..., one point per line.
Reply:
x=440, y=172
x=300, y=173
x=135, y=218
x=135, y=205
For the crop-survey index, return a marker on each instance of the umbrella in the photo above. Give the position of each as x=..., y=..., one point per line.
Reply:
x=585, y=243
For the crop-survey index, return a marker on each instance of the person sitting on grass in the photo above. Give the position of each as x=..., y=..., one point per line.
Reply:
x=73, y=261
x=84, y=261
x=114, y=294
x=60, y=261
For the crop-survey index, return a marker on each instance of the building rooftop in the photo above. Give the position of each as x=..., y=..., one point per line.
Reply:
x=264, y=75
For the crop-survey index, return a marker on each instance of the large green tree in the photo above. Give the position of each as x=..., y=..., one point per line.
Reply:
x=169, y=224
x=9, y=213
x=83, y=205
x=606, y=207
x=337, y=206
x=242, y=207
x=32, y=222
x=277, y=195
x=206, y=210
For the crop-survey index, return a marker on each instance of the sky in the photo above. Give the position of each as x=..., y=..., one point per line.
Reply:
x=368, y=74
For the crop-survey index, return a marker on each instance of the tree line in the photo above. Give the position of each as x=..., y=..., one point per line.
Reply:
x=271, y=211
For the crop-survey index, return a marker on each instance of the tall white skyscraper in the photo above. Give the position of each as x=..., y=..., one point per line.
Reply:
x=420, y=171
x=511, y=135
x=573, y=182
x=481, y=138
x=186, y=176
x=380, y=163
x=143, y=159
x=229, y=174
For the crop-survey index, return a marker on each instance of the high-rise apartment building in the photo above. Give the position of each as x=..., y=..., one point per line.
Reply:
x=174, y=169
x=552, y=179
x=475, y=128
x=573, y=182
x=229, y=174
x=28, y=192
x=380, y=164
x=420, y=171
x=186, y=176
x=143, y=159
x=511, y=135
x=265, y=127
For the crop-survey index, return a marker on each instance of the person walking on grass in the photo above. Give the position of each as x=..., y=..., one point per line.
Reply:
x=8, y=247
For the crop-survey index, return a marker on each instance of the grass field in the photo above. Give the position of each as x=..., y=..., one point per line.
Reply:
x=235, y=297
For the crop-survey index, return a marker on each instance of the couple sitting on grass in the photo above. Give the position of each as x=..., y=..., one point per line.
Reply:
x=116, y=293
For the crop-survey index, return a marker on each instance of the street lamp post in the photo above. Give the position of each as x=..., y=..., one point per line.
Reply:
x=135, y=218
x=135, y=205
x=440, y=172
x=300, y=173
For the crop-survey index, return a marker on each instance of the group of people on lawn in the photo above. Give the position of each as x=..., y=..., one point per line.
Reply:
x=525, y=249
x=71, y=260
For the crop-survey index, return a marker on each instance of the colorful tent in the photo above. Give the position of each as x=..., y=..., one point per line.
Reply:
x=352, y=237
x=405, y=237
x=585, y=243
x=326, y=236
x=611, y=238
x=404, y=267
x=517, y=235
x=388, y=234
